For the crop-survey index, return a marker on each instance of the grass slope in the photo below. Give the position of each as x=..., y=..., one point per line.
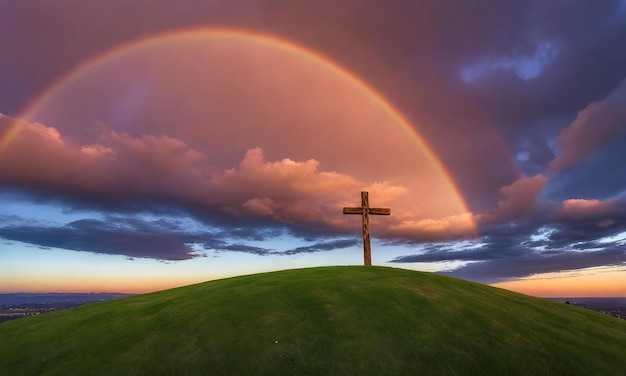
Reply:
x=324, y=321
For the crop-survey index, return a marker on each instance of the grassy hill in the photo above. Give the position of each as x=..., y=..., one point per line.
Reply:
x=319, y=321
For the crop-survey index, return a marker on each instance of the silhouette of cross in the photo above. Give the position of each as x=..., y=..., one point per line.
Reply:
x=364, y=210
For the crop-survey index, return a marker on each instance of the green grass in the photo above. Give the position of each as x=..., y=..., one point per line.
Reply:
x=319, y=321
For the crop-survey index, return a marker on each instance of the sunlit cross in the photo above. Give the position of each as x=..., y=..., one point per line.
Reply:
x=364, y=210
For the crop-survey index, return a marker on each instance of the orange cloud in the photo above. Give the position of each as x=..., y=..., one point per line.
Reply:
x=453, y=227
x=604, y=212
x=291, y=191
x=581, y=207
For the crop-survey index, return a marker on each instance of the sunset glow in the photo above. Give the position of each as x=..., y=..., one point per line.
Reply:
x=184, y=147
x=591, y=282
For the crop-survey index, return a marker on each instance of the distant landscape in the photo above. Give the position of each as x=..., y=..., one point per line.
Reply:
x=18, y=305
x=611, y=306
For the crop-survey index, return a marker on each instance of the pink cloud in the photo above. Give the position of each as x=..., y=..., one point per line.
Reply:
x=260, y=206
x=287, y=179
x=293, y=192
x=519, y=197
x=594, y=126
x=39, y=157
x=582, y=209
x=167, y=169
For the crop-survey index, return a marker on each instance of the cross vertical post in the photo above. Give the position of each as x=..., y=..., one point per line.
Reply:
x=364, y=210
x=367, y=249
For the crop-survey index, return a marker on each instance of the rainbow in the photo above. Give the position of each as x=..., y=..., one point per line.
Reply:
x=9, y=134
x=265, y=40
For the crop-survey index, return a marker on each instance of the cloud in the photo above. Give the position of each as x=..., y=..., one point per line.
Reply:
x=508, y=251
x=260, y=206
x=530, y=263
x=298, y=194
x=595, y=126
x=581, y=208
x=106, y=237
x=149, y=172
x=460, y=226
x=121, y=167
x=171, y=239
x=518, y=199
x=285, y=190
x=164, y=171
x=122, y=174
x=322, y=246
x=291, y=191
x=574, y=235
x=259, y=251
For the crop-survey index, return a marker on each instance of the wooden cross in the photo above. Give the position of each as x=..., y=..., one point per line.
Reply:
x=364, y=210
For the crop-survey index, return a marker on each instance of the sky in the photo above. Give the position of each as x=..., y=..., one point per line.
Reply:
x=146, y=145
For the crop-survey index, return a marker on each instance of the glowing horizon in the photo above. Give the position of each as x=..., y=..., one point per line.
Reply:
x=601, y=282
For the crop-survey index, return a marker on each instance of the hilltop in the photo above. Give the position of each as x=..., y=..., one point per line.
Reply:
x=323, y=321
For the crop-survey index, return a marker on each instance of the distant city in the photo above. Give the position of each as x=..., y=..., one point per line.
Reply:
x=18, y=305
x=609, y=306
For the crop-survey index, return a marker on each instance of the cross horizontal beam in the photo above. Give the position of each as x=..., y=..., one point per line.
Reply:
x=375, y=211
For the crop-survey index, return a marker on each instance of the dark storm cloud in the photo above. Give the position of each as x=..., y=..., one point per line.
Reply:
x=596, y=125
x=323, y=246
x=259, y=251
x=505, y=260
x=252, y=233
x=601, y=176
x=569, y=72
x=530, y=263
x=10, y=219
x=97, y=236
x=584, y=234
x=163, y=239
x=528, y=113
x=122, y=210
x=313, y=248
